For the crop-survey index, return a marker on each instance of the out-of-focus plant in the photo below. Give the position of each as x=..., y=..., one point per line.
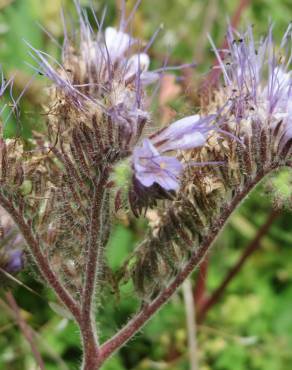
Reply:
x=11, y=250
x=102, y=155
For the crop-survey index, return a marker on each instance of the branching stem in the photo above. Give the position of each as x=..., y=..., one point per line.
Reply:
x=140, y=319
x=41, y=260
x=88, y=325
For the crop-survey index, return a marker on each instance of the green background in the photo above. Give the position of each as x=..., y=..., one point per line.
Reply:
x=251, y=326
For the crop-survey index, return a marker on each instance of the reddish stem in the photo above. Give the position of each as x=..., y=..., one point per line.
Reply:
x=200, y=287
x=88, y=325
x=252, y=247
x=41, y=261
x=138, y=321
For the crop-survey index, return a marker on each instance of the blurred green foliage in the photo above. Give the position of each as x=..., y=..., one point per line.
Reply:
x=251, y=327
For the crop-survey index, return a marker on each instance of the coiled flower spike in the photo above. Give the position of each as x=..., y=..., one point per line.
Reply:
x=258, y=83
x=102, y=78
x=101, y=84
x=254, y=102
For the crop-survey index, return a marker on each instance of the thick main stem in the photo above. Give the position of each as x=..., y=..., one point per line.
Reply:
x=88, y=325
x=139, y=320
x=41, y=261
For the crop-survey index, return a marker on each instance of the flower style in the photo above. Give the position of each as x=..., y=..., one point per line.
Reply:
x=4, y=84
x=279, y=96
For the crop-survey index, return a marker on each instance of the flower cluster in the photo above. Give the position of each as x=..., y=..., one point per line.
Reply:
x=103, y=80
x=251, y=137
x=103, y=72
x=257, y=81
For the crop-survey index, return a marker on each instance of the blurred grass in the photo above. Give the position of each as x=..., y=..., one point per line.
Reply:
x=251, y=327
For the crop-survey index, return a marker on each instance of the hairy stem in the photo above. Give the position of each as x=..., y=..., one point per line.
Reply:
x=40, y=259
x=252, y=247
x=140, y=319
x=88, y=326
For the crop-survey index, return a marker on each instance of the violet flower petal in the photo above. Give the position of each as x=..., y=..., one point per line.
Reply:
x=15, y=262
x=150, y=167
x=183, y=134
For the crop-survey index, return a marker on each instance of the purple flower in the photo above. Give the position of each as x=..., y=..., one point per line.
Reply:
x=186, y=133
x=107, y=60
x=117, y=43
x=104, y=73
x=109, y=56
x=138, y=64
x=11, y=255
x=257, y=82
x=15, y=261
x=151, y=167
